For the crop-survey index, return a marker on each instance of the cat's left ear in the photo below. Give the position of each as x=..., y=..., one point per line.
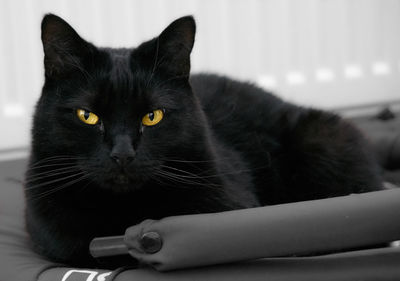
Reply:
x=64, y=50
x=175, y=44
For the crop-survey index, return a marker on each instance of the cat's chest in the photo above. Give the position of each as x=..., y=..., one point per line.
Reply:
x=123, y=209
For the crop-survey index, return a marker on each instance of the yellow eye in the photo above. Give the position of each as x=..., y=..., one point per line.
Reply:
x=87, y=117
x=153, y=118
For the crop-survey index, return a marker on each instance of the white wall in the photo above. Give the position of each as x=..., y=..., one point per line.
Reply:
x=324, y=53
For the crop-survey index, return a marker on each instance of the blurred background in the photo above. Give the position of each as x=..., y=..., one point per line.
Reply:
x=342, y=55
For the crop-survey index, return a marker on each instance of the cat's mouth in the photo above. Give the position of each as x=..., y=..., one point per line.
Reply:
x=121, y=179
x=122, y=182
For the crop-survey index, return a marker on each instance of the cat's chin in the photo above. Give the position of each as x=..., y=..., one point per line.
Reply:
x=121, y=184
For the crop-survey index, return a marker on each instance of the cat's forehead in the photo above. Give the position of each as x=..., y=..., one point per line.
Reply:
x=125, y=84
x=116, y=80
x=120, y=77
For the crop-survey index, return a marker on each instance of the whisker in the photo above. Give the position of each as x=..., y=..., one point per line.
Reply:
x=191, y=175
x=50, y=173
x=51, y=165
x=63, y=165
x=218, y=174
x=176, y=180
x=54, y=159
x=54, y=181
x=87, y=184
x=59, y=156
x=53, y=190
x=194, y=161
x=185, y=180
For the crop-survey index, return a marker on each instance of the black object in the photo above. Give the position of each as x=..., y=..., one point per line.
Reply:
x=385, y=114
x=108, y=246
x=100, y=247
x=151, y=242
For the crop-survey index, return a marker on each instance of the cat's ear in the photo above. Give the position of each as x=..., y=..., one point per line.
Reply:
x=64, y=49
x=175, y=44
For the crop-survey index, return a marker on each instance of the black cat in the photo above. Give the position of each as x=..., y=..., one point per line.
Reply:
x=123, y=135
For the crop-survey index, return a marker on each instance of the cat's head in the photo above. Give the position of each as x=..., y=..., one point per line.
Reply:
x=117, y=114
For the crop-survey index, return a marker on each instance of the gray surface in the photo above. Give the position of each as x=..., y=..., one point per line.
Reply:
x=11, y=188
x=17, y=261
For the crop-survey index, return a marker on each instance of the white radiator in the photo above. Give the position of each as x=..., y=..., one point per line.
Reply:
x=323, y=53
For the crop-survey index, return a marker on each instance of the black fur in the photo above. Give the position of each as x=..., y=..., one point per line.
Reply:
x=222, y=144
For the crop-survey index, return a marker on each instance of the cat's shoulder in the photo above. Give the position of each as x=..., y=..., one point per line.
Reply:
x=213, y=88
x=211, y=81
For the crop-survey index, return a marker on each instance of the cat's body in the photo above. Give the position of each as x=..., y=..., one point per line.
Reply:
x=220, y=145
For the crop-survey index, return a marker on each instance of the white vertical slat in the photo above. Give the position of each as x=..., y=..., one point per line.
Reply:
x=275, y=43
x=11, y=49
x=389, y=46
x=4, y=75
x=34, y=74
x=206, y=42
x=363, y=36
x=270, y=45
x=300, y=49
x=178, y=8
x=213, y=50
x=82, y=17
x=132, y=27
x=150, y=18
x=96, y=21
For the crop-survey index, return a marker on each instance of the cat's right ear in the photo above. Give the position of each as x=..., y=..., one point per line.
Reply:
x=64, y=49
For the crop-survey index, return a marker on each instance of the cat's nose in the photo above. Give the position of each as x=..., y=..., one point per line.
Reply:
x=122, y=152
x=123, y=159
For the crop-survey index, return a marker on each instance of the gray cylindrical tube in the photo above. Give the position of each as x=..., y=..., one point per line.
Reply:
x=333, y=224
